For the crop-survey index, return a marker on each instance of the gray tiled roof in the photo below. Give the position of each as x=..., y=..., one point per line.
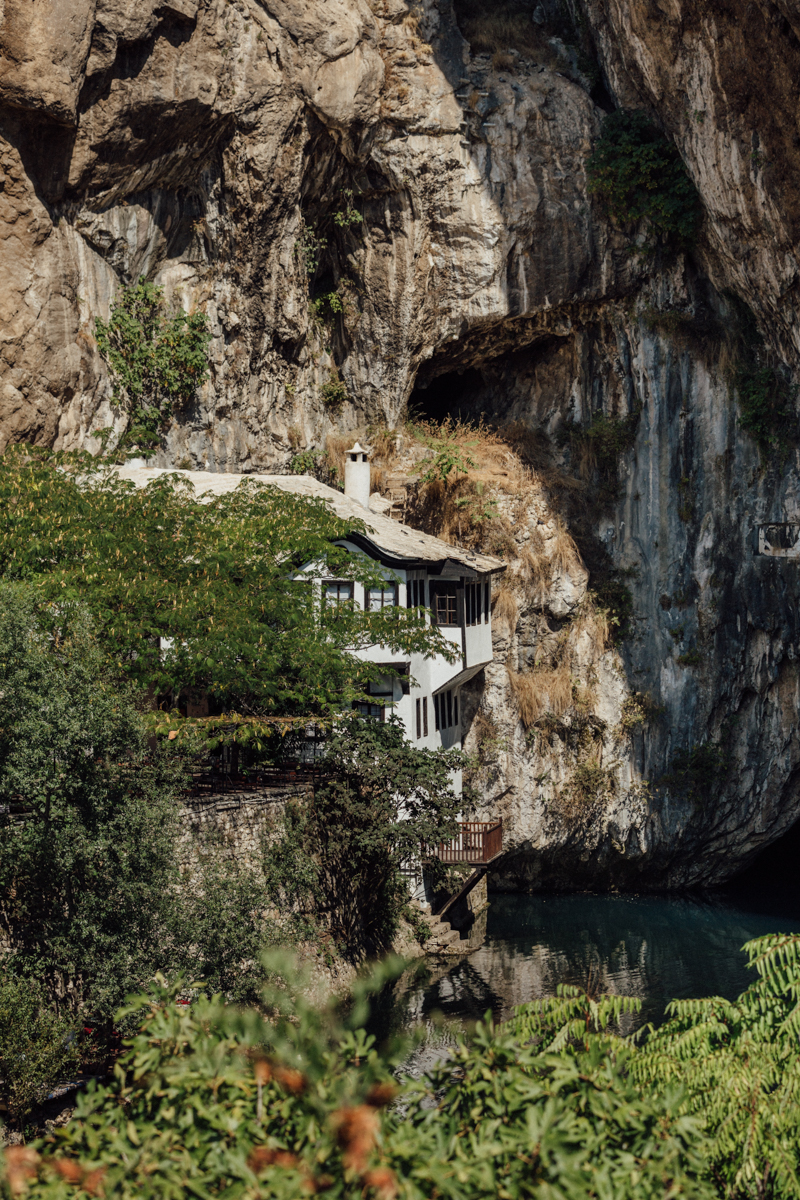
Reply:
x=394, y=539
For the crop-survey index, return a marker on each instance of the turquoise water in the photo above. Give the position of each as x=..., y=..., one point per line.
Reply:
x=654, y=947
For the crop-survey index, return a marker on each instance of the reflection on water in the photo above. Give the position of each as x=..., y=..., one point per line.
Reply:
x=654, y=947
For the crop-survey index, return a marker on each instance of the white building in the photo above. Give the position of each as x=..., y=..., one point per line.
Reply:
x=453, y=584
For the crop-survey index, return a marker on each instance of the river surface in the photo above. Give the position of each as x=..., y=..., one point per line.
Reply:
x=654, y=947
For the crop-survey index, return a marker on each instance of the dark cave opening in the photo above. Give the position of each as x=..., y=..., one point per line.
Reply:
x=772, y=880
x=457, y=394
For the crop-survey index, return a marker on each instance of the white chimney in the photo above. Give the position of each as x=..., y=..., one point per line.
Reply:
x=356, y=475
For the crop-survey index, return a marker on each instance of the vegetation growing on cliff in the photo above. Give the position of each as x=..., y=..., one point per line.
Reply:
x=767, y=402
x=225, y=1102
x=157, y=361
x=640, y=177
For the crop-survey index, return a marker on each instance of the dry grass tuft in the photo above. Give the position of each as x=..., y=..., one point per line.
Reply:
x=336, y=448
x=565, y=555
x=596, y=623
x=504, y=605
x=547, y=689
x=537, y=570
x=294, y=436
x=502, y=61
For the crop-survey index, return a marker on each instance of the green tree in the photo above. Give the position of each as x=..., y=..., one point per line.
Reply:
x=185, y=593
x=640, y=176
x=380, y=804
x=87, y=814
x=157, y=361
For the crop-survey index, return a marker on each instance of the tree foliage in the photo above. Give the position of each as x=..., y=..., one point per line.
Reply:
x=87, y=815
x=738, y=1062
x=380, y=803
x=185, y=593
x=157, y=361
x=640, y=176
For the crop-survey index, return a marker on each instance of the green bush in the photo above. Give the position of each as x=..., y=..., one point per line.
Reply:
x=640, y=177
x=333, y=392
x=696, y=771
x=556, y=1104
x=38, y=1047
x=156, y=361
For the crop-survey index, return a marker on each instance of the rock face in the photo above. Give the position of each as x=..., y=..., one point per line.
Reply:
x=258, y=159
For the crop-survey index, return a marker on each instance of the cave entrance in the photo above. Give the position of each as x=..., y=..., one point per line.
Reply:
x=457, y=394
x=771, y=883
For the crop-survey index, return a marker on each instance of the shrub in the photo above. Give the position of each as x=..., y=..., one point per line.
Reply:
x=599, y=447
x=555, y=1102
x=696, y=771
x=766, y=406
x=334, y=393
x=38, y=1047
x=156, y=361
x=640, y=176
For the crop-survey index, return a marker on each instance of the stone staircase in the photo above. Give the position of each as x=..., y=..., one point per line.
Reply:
x=444, y=939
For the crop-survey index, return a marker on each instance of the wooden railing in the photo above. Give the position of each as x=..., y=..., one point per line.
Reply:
x=476, y=842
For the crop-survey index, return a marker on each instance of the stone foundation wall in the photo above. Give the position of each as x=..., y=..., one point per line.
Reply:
x=236, y=821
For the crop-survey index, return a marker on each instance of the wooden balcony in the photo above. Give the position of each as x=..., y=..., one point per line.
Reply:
x=476, y=843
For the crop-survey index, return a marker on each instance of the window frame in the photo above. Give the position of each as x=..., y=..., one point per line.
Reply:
x=337, y=601
x=449, y=593
x=387, y=588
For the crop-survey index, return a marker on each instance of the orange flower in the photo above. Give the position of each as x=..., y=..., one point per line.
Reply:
x=93, y=1182
x=293, y=1081
x=267, y=1156
x=383, y=1181
x=68, y=1169
x=262, y=1071
x=21, y=1165
x=381, y=1094
x=357, y=1129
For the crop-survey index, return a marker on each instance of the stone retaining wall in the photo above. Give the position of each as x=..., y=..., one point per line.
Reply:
x=236, y=821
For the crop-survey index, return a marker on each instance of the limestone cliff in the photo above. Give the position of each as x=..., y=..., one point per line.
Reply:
x=221, y=148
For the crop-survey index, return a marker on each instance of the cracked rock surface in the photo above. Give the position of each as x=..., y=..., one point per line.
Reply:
x=212, y=145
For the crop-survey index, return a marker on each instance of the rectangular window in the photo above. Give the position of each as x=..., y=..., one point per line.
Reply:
x=337, y=591
x=449, y=709
x=376, y=711
x=444, y=601
x=455, y=708
x=436, y=711
x=381, y=597
x=424, y=716
x=419, y=721
x=422, y=593
x=486, y=600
